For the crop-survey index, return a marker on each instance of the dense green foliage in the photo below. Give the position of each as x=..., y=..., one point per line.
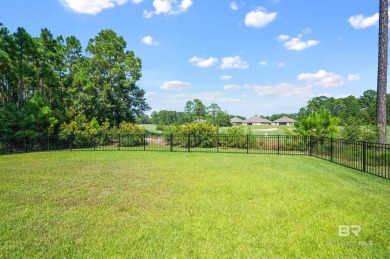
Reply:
x=194, y=111
x=362, y=109
x=317, y=124
x=43, y=78
x=204, y=134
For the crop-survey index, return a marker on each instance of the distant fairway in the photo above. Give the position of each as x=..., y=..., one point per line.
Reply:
x=167, y=205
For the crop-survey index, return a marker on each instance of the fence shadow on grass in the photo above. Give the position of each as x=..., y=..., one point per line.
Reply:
x=368, y=157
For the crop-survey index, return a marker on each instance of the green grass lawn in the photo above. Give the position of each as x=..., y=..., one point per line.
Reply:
x=177, y=205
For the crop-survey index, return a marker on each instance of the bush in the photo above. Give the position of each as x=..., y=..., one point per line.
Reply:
x=201, y=134
x=130, y=134
x=237, y=137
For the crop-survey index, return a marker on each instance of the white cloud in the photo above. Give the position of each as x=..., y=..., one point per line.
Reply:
x=200, y=62
x=168, y=7
x=226, y=78
x=175, y=85
x=259, y=18
x=91, y=6
x=234, y=62
x=148, y=40
x=283, y=37
x=296, y=43
x=137, y=1
x=263, y=63
x=322, y=78
x=361, y=22
x=281, y=64
x=353, y=77
x=233, y=6
x=284, y=90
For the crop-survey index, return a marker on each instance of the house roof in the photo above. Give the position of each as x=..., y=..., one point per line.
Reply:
x=284, y=119
x=256, y=119
x=236, y=120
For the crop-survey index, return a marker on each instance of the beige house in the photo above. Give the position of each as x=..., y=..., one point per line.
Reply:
x=236, y=121
x=283, y=121
x=256, y=120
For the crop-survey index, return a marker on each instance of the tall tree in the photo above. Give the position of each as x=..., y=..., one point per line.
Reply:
x=113, y=74
x=382, y=70
x=199, y=110
x=22, y=54
x=188, y=110
x=212, y=111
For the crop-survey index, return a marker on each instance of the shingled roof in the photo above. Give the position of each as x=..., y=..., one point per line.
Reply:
x=284, y=120
x=236, y=120
x=256, y=119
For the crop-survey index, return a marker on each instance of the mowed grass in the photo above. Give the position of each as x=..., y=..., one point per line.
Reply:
x=180, y=205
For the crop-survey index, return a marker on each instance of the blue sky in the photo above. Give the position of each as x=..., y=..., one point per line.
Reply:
x=250, y=57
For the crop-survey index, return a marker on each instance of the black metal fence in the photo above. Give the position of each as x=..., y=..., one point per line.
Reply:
x=368, y=157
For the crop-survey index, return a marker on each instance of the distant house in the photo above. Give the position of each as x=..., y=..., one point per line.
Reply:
x=256, y=120
x=236, y=121
x=283, y=121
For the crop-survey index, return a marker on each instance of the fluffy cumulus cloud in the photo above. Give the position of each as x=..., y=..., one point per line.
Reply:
x=361, y=22
x=259, y=18
x=168, y=7
x=175, y=85
x=263, y=63
x=296, y=43
x=148, y=40
x=200, y=62
x=322, y=78
x=284, y=90
x=234, y=62
x=93, y=6
x=353, y=77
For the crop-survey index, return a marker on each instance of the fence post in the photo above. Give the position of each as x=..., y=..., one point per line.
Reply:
x=189, y=142
x=364, y=156
x=247, y=143
x=94, y=143
x=331, y=149
x=48, y=143
x=119, y=141
x=171, y=142
x=278, y=144
x=144, y=141
x=71, y=142
x=310, y=145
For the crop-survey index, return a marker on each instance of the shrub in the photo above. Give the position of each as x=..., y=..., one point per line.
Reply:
x=201, y=134
x=237, y=137
x=130, y=134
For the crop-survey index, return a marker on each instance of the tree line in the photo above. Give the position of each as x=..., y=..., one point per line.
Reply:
x=361, y=110
x=194, y=111
x=47, y=82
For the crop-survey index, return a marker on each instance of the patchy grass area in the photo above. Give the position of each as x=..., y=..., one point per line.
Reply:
x=158, y=205
x=150, y=128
